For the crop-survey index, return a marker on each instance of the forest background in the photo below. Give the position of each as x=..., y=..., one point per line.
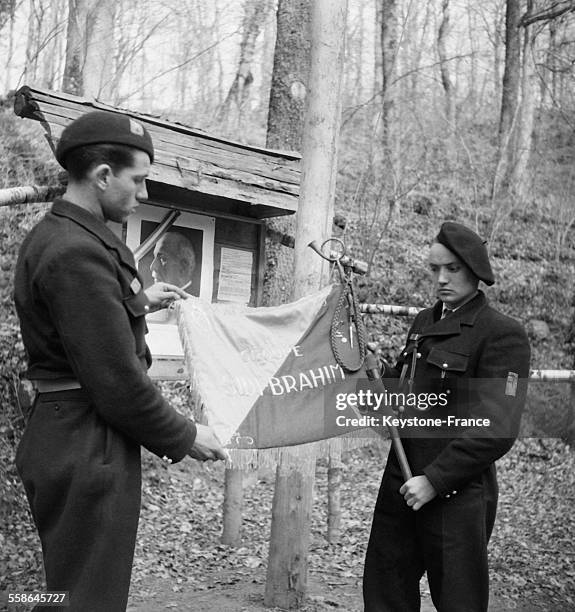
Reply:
x=451, y=109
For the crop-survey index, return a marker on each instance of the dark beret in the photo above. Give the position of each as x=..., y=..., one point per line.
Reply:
x=103, y=127
x=469, y=247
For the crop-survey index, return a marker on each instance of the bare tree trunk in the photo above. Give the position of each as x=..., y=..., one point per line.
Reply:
x=520, y=183
x=290, y=75
x=389, y=52
x=354, y=77
x=358, y=85
x=269, y=38
x=417, y=40
x=385, y=160
x=143, y=68
x=287, y=569
x=232, y=110
x=33, y=40
x=98, y=66
x=289, y=89
x=219, y=59
x=11, y=18
x=511, y=82
x=510, y=97
x=183, y=47
x=474, y=86
x=442, y=36
x=378, y=54
x=552, y=61
x=7, y=9
x=497, y=41
x=50, y=55
x=89, y=52
x=73, y=81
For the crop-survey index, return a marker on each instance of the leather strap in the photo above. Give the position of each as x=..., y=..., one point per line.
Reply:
x=53, y=386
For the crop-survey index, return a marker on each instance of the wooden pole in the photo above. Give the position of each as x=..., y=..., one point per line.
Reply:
x=321, y=133
x=233, y=501
x=292, y=505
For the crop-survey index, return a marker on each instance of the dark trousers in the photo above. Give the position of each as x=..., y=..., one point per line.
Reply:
x=447, y=538
x=83, y=482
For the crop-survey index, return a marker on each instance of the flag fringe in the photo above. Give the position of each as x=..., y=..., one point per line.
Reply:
x=303, y=456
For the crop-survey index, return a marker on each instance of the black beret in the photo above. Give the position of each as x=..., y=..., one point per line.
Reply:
x=469, y=247
x=103, y=127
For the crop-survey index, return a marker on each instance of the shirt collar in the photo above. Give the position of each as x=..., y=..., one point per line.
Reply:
x=446, y=310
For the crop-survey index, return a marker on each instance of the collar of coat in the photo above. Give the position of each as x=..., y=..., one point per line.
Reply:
x=96, y=227
x=466, y=315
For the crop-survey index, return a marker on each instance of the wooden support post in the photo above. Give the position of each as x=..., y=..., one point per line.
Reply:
x=286, y=583
x=292, y=505
x=233, y=502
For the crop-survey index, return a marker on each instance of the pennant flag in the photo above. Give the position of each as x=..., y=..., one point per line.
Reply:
x=267, y=377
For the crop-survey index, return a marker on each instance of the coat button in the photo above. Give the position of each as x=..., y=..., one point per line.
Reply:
x=445, y=365
x=419, y=355
x=146, y=308
x=166, y=459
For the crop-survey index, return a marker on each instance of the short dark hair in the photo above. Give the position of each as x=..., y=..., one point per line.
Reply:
x=81, y=160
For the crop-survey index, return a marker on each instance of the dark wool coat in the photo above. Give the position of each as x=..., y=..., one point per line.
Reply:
x=81, y=308
x=480, y=359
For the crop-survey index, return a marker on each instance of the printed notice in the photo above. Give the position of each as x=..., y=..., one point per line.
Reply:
x=235, y=279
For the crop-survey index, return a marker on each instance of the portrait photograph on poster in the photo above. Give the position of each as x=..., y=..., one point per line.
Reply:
x=182, y=256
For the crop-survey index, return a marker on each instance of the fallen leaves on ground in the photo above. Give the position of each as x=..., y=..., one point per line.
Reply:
x=531, y=551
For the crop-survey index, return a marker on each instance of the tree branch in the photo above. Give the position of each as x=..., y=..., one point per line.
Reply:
x=180, y=65
x=554, y=11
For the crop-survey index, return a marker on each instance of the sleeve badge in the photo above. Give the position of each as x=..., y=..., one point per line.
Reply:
x=511, y=386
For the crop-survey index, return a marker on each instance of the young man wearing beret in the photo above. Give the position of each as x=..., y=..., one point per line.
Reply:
x=81, y=307
x=476, y=361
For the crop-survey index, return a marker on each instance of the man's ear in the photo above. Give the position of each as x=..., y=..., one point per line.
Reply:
x=101, y=175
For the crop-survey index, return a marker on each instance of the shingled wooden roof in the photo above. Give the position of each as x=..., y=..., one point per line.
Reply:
x=192, y=169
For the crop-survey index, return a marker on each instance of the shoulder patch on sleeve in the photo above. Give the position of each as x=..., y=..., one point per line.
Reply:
x=135, y=285
x=511, y=386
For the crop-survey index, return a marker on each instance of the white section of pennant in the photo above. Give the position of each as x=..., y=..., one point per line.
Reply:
x=232, y=351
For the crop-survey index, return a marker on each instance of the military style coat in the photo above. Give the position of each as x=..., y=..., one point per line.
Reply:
x=479, y=358
x=81, y=307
